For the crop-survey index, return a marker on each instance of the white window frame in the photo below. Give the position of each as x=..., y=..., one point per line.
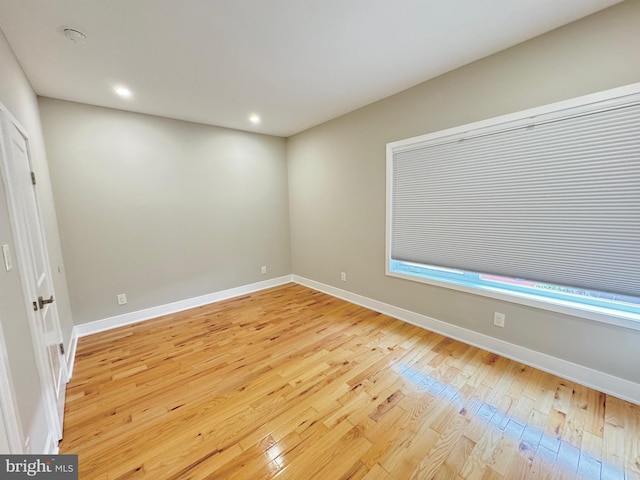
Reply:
x=628, y=320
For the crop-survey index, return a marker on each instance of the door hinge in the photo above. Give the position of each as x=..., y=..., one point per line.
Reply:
x=62, y=348
x=33, y=178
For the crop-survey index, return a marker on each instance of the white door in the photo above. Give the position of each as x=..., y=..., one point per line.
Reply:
x=35, y=272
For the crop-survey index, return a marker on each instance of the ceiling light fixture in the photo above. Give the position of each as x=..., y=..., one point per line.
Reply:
x=254, y=118
x=75, y=35
x=124, y=92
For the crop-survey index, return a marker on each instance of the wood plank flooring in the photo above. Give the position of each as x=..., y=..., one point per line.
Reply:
x=290, y=383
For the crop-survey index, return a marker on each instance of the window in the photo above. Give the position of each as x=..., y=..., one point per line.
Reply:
x=541, y=207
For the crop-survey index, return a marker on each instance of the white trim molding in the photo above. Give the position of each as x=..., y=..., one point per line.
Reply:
x=618, y=387
x=9, y=408
x=51, y=448
x=71, y=351
x=84, y=329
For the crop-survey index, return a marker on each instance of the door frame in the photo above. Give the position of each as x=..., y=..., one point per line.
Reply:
x=8, y=404
x=25, y=265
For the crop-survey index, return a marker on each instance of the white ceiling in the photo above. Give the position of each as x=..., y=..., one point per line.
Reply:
x=297, y=63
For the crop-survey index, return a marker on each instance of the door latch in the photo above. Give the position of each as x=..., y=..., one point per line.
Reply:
x=42, y=302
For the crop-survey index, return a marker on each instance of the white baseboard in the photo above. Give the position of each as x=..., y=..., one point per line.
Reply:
x=589, y=377
x=84, y=329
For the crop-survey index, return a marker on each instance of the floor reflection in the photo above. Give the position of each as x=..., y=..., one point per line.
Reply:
x=551, y=449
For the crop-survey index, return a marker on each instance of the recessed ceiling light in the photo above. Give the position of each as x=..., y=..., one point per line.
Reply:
x=254, y=118
x=124, y=92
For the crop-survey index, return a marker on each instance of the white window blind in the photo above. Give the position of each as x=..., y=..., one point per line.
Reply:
x=554, y=199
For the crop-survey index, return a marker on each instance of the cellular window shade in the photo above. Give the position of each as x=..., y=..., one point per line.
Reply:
x=556, y=201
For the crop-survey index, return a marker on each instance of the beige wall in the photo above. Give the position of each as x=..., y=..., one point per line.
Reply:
x=18, y=97
x=162, y=210
x=337, y=181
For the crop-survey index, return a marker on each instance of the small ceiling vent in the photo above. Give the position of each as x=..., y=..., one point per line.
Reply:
x=76, y=36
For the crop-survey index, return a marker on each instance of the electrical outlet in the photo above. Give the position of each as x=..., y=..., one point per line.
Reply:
x=498, y=319
x=263, y=270
x=122, y=299
x=343, y=276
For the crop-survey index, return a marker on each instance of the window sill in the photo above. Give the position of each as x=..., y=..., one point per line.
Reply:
x=589, y=312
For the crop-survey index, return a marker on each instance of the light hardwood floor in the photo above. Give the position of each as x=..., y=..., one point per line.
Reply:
x=290, y=383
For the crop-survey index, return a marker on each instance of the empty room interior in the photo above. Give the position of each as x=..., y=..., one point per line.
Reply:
x=321, y=240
